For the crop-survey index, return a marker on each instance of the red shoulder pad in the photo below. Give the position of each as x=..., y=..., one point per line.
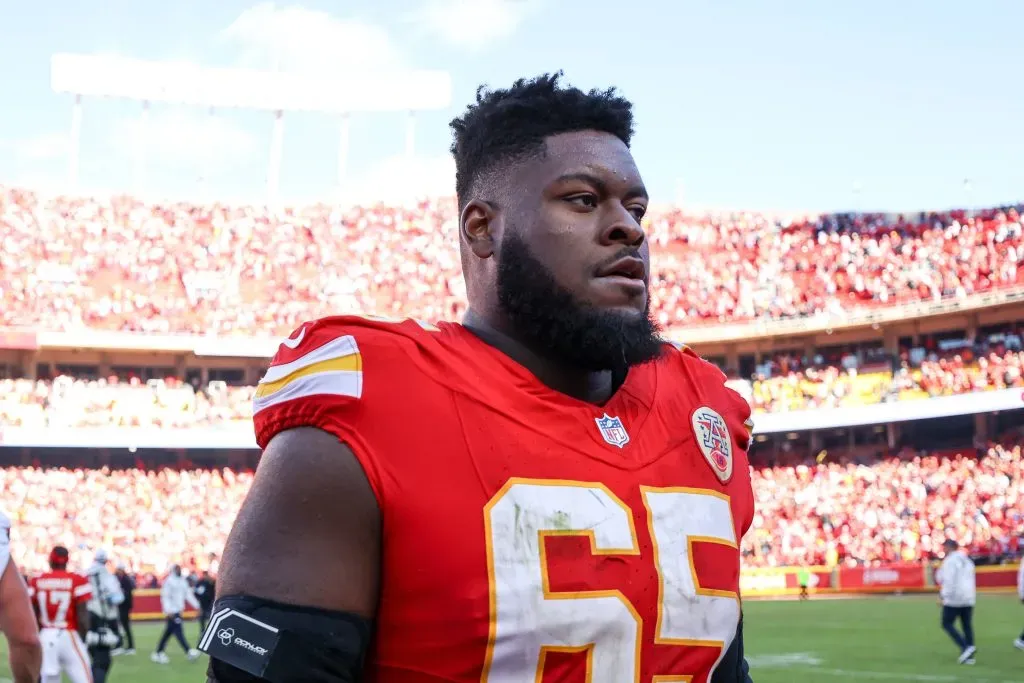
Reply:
x=321, y=368
x=345, y=375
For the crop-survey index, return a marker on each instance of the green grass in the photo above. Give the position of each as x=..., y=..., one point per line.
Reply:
x=879, y=639
x=871, y=640
x=137, y=668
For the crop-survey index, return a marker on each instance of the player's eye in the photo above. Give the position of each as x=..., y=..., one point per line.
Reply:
x=638, y=211
x=587, y=200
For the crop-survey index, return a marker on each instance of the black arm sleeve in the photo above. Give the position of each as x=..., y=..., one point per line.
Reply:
x=733, y=667
x=251, y=639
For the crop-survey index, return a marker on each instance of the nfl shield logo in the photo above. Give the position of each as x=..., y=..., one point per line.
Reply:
x=612, y=430
x=714, y=441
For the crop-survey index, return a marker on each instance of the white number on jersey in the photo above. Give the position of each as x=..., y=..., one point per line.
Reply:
x=60, y=600
x=528, y=620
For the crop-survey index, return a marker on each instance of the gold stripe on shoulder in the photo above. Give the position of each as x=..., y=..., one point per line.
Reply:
x=352, y=362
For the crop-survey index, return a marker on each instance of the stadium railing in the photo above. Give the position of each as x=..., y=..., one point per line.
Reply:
x=856, y=318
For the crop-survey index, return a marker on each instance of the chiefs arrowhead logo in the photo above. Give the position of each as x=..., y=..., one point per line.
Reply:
x=714, y=441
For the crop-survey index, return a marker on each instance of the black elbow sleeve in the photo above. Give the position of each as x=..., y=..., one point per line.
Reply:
x=252, y=639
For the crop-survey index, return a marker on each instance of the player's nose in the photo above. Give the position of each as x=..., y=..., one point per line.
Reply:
x=622, y=228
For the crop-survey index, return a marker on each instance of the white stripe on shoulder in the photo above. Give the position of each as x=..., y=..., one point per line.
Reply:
x=336, y=348
x=84, y=589
x=333, y=382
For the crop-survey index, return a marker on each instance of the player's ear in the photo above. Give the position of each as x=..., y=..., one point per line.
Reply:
x=478, y=224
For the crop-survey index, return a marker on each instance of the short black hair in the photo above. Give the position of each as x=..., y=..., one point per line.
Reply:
x=505, y=125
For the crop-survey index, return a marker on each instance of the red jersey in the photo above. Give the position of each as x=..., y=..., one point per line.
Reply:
x=527, y=535
x=57, y=594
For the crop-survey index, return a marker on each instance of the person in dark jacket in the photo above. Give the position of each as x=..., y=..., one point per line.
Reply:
x=205, y=590
x=125, y=610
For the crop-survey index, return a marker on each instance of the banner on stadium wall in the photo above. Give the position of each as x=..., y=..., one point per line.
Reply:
x=990, y=577
x=146, y=606
x=19, y=340
x=885, y=579
x=996, y=578
x=779, y=581
x=767, y=583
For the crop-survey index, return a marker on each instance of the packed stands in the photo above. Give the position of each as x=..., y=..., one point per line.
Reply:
x=150, y=519
x=119, y=263
x=790, y=383
x=898, y=509
x=843, y=512
x=122, y=264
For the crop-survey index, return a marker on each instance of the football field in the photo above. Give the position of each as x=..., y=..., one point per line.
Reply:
x=871, y=640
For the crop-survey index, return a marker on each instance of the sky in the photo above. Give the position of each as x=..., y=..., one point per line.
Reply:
x=787, y=105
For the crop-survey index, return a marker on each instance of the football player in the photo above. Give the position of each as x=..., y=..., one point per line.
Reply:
x=17, y=620
x=60, y=599
x=547, y=491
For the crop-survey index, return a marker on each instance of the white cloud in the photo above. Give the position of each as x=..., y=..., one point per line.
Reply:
x=474, y=24
x=299, y=39
x=401, y=178
x=184, y=138
x=45, y=147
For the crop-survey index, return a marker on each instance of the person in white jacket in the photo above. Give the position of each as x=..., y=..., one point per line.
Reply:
x=174, y=594
x=958, y=593
x=1019, y=643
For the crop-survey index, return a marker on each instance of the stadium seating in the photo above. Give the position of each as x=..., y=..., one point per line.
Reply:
x=123, y=264
x=898, y=509
x=836, y=512
x=832, y=386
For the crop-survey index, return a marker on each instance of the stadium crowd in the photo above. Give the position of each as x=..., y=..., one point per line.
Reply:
x=896, y=509
x=847, y=511
x=147, y=520
x=793, y=383
x=120, y=263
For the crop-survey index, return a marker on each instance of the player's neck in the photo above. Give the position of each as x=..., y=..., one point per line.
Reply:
x=592, y=387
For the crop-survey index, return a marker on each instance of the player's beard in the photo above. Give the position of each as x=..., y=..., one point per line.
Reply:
x=550, y=320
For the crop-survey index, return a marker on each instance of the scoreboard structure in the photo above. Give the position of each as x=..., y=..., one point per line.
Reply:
x=276, y=92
